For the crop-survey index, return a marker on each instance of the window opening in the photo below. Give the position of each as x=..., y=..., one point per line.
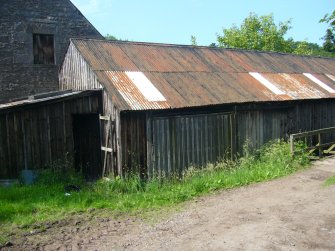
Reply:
x=43, y=45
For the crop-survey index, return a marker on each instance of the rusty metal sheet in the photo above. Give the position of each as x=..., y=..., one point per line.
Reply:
x=196, y=76
x=131, y=93
x=295, y=86
x=56, y=95
x=328, y=79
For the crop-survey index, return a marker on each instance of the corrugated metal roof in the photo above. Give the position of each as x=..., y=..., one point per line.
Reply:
x=46, y=97
x=185, y=76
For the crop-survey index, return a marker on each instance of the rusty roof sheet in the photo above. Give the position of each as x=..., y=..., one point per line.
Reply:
x=185, y=76
x=42, y=98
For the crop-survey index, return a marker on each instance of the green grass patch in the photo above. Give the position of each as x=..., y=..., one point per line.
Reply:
x=47, y=201
x=330, y=181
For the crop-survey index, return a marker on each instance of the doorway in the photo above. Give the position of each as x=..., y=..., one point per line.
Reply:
x=87, y=145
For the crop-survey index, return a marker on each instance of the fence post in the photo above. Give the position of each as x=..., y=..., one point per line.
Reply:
x=292, y=144
x=320, y=147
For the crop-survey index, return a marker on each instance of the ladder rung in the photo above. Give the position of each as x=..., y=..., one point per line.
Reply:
x=104, y=117
x=106, y=149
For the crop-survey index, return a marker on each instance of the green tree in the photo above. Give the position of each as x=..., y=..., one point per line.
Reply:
x=329, y=41
x=329, y=38
x=302, y=48
x=257, y=33
x=110, y=37
x=194, y=40
x=307, y=48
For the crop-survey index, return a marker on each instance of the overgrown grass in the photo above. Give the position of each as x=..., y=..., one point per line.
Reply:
x=46, y=200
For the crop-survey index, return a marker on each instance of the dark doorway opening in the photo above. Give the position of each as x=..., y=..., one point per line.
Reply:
x=87, y=145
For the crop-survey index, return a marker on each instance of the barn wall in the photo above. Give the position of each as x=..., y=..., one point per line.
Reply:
x=75, y=73
x=314, y=115
x=178, y=142
x=194, y=137
x=257, y=127
x=42, y=132
x=134, y=143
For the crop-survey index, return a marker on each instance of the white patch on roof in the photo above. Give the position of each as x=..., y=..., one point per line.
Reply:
x=149, y=91
x=331, y=77
x=319, y=82
x=266, y=83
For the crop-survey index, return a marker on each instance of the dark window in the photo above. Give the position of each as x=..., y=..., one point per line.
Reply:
x=43, y=49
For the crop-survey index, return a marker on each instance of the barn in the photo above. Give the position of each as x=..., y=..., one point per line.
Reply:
x=167, y=107
x=50, y=130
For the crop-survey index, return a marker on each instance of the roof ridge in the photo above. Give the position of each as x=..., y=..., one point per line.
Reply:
x=199, y=47
x=216, y=72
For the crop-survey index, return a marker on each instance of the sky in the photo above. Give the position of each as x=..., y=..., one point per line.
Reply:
x=174, y=21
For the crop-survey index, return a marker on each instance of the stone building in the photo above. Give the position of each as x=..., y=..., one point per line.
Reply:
x=34, y=36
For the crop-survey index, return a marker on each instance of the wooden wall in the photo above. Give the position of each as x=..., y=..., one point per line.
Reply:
x=192, y=140
x=41, y=131
x=177, y=139
x=274, y=121
x=134, y=143
x=259, y=126
x=75, y=73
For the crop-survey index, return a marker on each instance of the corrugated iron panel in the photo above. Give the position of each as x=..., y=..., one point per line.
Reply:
x=45, y=97
x=295, y=86
x=328, y=80
x=317, y=81
x=130, y=92
x=195, y=76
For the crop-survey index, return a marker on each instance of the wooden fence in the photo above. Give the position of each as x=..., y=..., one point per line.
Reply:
x=321, y=141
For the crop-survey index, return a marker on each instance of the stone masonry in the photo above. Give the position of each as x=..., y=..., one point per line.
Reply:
x=19, y=20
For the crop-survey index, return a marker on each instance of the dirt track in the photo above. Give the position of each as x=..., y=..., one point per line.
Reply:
x=292, y=213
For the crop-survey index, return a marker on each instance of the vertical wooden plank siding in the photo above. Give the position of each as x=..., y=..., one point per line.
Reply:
x=179, y=142
x=76, y=74
x=258, y=127
x=134, y=143
x=41, y=134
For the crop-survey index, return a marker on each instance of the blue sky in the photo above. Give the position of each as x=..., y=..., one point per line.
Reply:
x=174, y=21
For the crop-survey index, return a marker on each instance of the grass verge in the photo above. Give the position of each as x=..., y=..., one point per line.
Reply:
x=330, y=181
x=47, y=201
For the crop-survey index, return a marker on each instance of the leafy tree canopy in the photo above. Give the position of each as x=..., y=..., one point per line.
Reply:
x=329, y=19
x=261, y=33
x=257, y=33
x=110, y=37
x=194, y=40
x=329, y=38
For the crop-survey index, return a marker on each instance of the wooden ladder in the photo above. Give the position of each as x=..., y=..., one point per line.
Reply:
x=107, y=146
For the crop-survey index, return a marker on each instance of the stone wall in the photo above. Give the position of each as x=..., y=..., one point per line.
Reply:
x=19, y=20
